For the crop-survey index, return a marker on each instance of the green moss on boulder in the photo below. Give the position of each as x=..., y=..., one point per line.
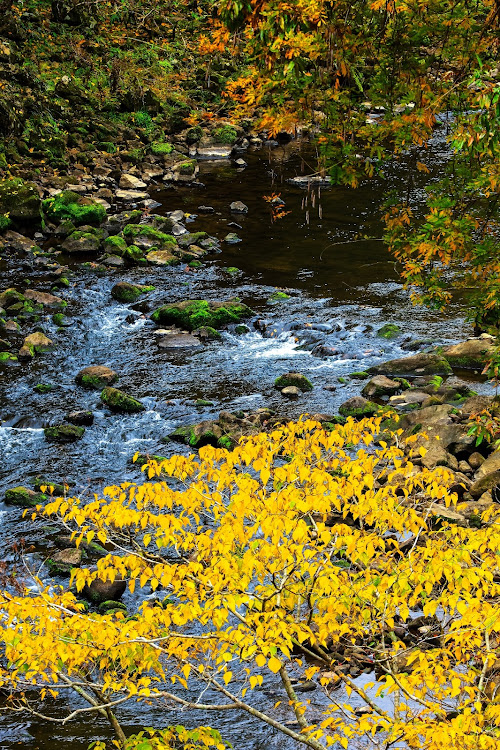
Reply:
x=123, y=291
x=193, y=314
x=20, y=201
x=71, y=206
x=64, y=433
x=293, y=378
x=119, y=401
x=389, y=331
x=24, y=497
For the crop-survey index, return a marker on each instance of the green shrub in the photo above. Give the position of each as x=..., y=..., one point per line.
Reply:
x=226, y=134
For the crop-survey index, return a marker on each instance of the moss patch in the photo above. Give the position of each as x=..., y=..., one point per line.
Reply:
x=293, y=378
x=193, y=314
x=120, y=401
x=69, y=206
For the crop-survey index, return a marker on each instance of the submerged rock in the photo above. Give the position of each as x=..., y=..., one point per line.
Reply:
x=102, y=591
x=82, y=418
x=96, y=376
x=43, y=298
x=119, y=401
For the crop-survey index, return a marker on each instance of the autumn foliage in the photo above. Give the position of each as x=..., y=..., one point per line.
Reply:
x=303, y=555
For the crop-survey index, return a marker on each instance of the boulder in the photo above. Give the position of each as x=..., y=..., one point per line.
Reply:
x=17, y=242
x=476, y=460
x=192, y=314
x=81, y=418
x=20, y=201
x=61, y=563
x=35, y=343
x=477, y=404
x=237, y=207
x=131, y=182
x=81, y=242
x=291, y=391
x=162, y=258
x=489, y=466
x=119, y=401
x=24, y=497
x=43, y=298
x=469, y=355
x=125, y=292
x=389, y=331
x=417, y=364
x=131, y=196
x=485, y=483
x=357, y=406
x=102, y=591
x=380, y=385
x=96, y=376
x=64, y=433
x=179, y=341
x=295, y=379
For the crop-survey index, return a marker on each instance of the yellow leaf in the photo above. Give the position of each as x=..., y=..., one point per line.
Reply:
x=274, y=664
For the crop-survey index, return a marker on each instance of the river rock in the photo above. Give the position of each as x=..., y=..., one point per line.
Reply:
x=295, y=379
x=81, y=418
x=437, y=433
x=61, y=563
x=485, y=483
x=131, y=182
x=96, y=376
x=17, y=242
x=43, y=298
x=64, y=433
x=192, y=314
x=20, y=201
x=291, y=391
x=469, y=355
x=24, y=497
x=35, y=343
x=417, y=364
x=102, y=591
x=380, y=385
x=476, y=460
x=131, y=196
x=179, y=341
x=489, y=466
x=214, y=152
x=357, y=406
x=477, y=404
x=238, y=207
x=162, y=258
x=81, y=242
x=123, y=291
x=119, y=401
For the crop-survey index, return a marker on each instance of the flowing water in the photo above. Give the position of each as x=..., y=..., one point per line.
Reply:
x=342, y=288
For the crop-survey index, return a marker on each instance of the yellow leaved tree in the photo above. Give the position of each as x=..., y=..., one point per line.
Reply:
x=304, y=559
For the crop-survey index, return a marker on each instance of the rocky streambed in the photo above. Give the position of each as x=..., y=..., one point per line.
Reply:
x=201, y=305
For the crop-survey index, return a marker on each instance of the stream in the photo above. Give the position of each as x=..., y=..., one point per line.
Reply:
x=342, y=288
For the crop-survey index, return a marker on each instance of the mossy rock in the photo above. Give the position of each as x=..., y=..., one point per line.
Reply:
x=389, y=331
x=361, y=375
x=64, y=433
x=20, y=201
x=193, y=314
x=43, y=388
x=197, y=435
x=62, y=563
x=96, y=376
x=24, y=497
x=125, y=292
x=159, y=148
x=293, y=378
x=206, y=333
x=358, y=407
x=225, y=135
x=69, y=206
x=194, y=135
x=191, y=238
x=111, y=607
x=203, y=402
x=119, y=401
x=115, y=245
x=134, y=233
x=134, y=254
x=277, y=296
x=61, y=320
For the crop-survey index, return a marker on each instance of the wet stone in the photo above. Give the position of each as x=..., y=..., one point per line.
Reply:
x=96, y=376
